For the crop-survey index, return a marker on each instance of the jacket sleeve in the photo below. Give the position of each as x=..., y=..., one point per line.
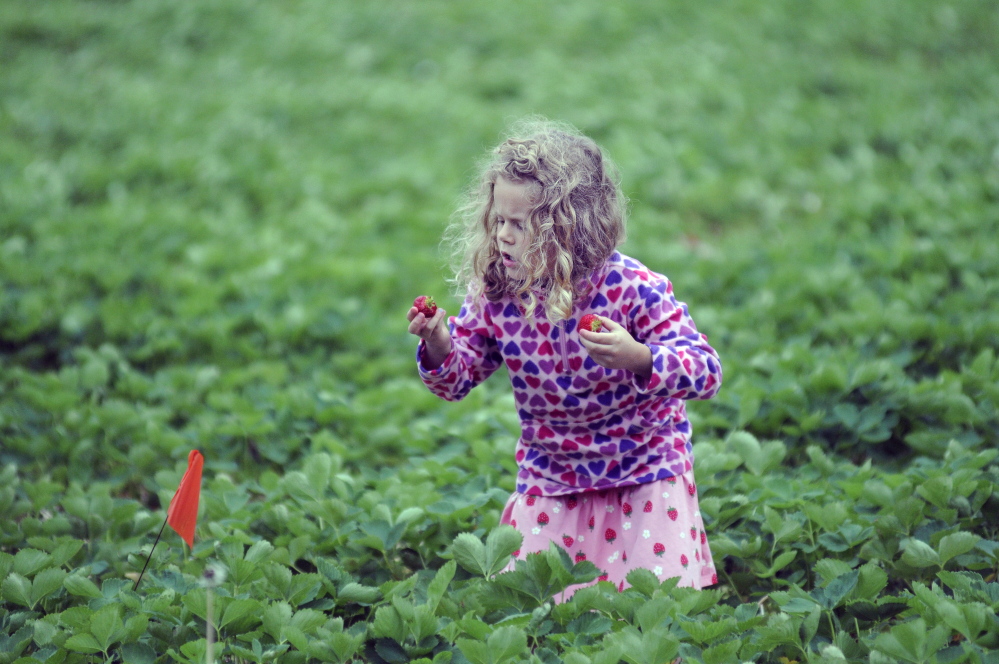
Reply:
x=474, y=355
x=684, y=365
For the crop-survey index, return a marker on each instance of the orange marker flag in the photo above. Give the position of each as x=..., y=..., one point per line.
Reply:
x=182, y=515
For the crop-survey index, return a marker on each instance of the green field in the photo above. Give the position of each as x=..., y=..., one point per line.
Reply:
x=214, y=216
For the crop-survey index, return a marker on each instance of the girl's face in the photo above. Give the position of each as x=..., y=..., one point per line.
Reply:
x=512, y=208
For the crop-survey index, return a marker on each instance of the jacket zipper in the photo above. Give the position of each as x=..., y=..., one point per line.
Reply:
x=562, y=346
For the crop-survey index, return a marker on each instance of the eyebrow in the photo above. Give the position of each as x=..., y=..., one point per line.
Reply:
x=512, y=220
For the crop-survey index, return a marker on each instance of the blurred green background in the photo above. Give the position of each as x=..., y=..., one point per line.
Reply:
x=213, y=215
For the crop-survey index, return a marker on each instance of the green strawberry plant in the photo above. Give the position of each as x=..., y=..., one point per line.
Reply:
x=211, y=212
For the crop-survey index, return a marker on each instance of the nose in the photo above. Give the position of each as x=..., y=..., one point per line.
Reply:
x=503, y=234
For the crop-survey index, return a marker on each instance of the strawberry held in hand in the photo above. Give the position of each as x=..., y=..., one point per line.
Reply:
x=589, y=322
x=426, y=305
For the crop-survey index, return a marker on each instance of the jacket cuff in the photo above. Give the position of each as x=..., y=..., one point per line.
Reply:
x=659, y=378
x=433, y=374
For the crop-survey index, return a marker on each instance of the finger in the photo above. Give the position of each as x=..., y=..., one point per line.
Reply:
x=600, y=357
x=436, y=320
x=596, y=338
x=601, y=360
x=412, y=313
x=417, y=325
x=609, y=325
x=428, y=326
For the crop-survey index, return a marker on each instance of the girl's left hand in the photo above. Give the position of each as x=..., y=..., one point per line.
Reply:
x=614, y=348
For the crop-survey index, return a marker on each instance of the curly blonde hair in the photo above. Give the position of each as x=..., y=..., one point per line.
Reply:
x=576, y=222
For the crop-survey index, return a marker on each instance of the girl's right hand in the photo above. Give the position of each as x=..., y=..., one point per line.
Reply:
x=434, y=332
x=423, y=327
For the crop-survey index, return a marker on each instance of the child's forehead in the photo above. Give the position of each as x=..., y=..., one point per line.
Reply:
x=525, y=189
x=512, y=198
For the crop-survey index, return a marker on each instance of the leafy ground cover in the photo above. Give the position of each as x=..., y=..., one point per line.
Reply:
x=213, y=216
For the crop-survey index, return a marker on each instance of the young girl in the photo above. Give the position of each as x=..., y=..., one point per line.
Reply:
x=604, y=453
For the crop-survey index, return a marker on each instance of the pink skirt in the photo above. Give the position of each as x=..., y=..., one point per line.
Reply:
x=657, y=526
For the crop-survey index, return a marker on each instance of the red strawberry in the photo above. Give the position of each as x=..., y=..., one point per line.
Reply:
x=513, y=523
x=693, y=534
x=714, y=579
x=648, y=506
x=542, y=519
x=626, y=508
x=672, y=513
x=671, y=480
x=591, y=523
x=704, y=538
x=691, y=489
x=531, y=500
x=697, y=555
x=516, y=553
x=571, y=503
x=602, y=577
x=658, y=549
x=426, y=305
x=580, y=557
x=610, y=535
x=589, y=322
x=568, y=541
x=683, y=560
x=624, y=556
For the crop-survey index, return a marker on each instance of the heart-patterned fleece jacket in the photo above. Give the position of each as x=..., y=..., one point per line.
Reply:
x=584, y=427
